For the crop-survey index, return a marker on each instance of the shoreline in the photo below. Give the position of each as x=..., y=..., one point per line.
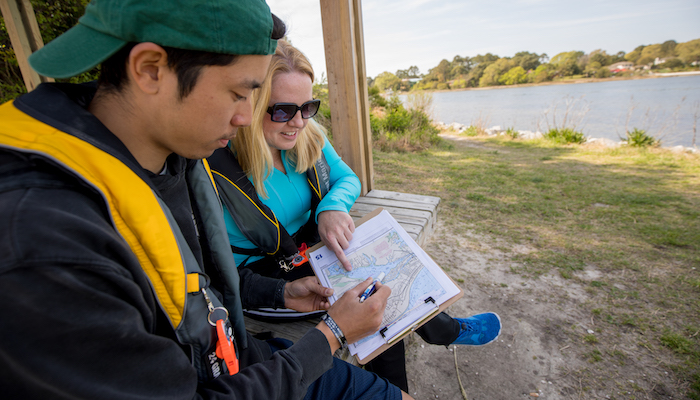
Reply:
x=455, y=129
x=567, y=82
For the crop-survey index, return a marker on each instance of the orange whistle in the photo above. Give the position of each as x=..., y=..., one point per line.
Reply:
x=300, y=257
x=225, y=349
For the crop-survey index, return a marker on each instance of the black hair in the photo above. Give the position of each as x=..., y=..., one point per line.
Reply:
x=187, y=64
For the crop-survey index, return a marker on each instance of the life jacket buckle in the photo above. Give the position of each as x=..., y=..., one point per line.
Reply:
x=296, y=260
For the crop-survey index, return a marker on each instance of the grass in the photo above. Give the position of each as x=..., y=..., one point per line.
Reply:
x=631, y=213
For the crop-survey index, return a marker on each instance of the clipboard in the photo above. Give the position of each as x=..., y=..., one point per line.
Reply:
x=432, y=308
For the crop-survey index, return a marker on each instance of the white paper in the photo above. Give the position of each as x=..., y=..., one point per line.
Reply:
x=382, y=245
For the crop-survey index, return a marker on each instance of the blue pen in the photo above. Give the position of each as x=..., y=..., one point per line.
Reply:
x=368, y=292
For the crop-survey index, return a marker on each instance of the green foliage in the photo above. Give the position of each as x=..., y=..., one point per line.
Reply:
x=565, y=136
x=411, y=72
x=689, y=52
x=640, y=138
x=603, y=72
x=514, y=76
x=323, y=117
x=473, y=130
x=459, y=84
x=476, y=73
x=493, y=72
x=54, y=18
x=592, y=68
x=425, y=85
x=375, y=97
x=668, y=48
x=672, y=63
x=633, y=56
x=464, y=71
x=565, y=57
x=543, y=73
x=645, y=60
x=401, y=129
x=387, y=81
x=652, y=52
x=528, y=61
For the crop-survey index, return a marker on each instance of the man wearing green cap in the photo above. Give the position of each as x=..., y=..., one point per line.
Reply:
x=116, y=277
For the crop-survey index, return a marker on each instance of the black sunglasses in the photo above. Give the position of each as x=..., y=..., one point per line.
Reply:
x=283, y=112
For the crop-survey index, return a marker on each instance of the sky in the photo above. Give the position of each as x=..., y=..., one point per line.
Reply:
x=402, y=33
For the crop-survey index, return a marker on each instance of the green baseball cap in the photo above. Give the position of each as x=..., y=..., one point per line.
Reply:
x=218, y=26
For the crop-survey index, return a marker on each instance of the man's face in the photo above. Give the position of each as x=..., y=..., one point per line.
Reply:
x=210, y=115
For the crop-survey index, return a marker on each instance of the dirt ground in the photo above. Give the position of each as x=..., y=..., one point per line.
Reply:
x=527, y=359
x=550, y=346
x=540, y=353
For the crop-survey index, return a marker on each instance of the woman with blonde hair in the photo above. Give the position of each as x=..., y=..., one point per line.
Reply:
x=285, y=188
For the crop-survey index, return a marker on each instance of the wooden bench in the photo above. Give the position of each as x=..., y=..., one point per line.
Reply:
x=417, y=215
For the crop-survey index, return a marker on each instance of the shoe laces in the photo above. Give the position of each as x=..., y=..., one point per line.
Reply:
x=470, y=327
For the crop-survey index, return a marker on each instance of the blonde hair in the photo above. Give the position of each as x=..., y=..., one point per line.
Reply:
x=252, y=150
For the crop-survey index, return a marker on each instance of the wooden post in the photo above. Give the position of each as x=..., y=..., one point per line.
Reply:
x=347, y=86
x=25, y=36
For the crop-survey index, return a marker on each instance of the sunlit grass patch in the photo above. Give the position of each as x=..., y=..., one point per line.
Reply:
x=630, y=214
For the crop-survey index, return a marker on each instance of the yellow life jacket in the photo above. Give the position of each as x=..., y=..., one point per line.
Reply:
x=146, y=224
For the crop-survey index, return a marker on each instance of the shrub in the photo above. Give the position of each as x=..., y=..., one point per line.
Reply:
x=375, y=97
x=640, y=138
x=565, y=135
x=512, y=133
x=473, y=130
x=397, y=120
x=396, y=128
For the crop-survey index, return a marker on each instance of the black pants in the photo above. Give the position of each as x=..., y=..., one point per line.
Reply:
x=391, y=364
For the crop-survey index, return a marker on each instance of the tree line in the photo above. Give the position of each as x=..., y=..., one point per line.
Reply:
x=525, y=67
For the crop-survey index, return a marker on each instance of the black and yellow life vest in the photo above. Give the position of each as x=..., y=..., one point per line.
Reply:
x=146, y=224
x=255, y=220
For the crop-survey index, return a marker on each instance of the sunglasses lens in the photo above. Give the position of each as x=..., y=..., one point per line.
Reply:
x=283, y=112
x=310, y=108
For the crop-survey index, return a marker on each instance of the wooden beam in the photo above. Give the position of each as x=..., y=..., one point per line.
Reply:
x=347, y=86
x=25, y=37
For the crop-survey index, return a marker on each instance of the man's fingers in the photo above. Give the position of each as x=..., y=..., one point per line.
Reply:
x=382, y=291
x=357, y=290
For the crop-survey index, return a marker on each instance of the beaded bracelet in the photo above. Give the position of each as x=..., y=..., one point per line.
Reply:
x=335, y=329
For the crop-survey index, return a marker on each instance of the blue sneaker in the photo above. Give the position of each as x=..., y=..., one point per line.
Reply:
x=479, y=329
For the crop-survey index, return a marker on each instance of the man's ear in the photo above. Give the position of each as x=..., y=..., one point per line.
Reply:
x=148, y=62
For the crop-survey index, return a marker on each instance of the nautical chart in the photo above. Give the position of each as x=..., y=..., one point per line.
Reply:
x=409, y=280
x=380, y=244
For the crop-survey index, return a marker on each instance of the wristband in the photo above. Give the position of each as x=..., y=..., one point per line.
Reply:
x=335, y=329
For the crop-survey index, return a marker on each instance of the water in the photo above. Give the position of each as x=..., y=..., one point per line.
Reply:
x=665, y=107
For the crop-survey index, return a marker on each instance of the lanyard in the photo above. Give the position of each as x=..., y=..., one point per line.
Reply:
x=225, y=347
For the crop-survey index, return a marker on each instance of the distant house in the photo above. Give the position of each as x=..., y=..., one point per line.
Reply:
x=658, y=60
x=621, y=66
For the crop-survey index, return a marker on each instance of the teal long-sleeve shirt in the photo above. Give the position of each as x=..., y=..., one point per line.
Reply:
x=289, y=197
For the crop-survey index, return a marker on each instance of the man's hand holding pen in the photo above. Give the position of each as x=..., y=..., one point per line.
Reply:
x=358, y=320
